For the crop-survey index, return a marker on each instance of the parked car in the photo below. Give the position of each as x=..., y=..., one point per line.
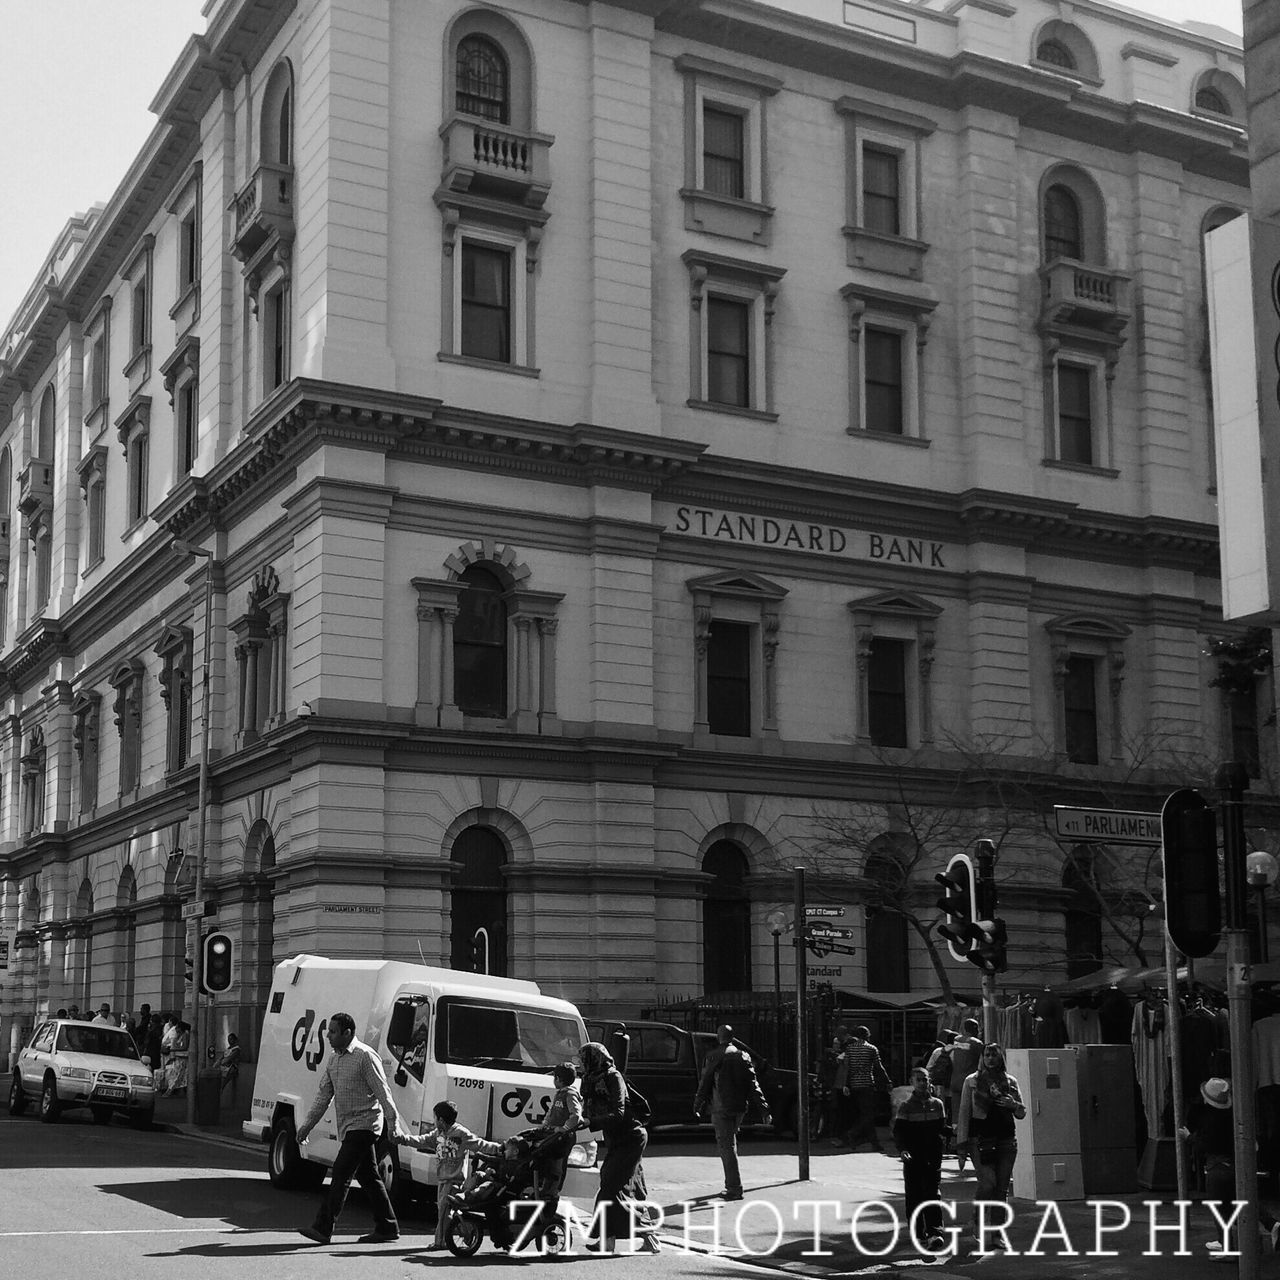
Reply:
x=665, y=1064
x=82, y=1064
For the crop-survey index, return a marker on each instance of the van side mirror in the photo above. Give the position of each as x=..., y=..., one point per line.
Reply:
x=401, y=1077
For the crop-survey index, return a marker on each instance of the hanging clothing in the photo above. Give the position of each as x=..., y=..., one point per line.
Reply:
x=1199, y=1043
x=1083, y=1026
x=1266, y=1050
x=1049, y=1026
x=1149, y=1036
x=1115, y=1016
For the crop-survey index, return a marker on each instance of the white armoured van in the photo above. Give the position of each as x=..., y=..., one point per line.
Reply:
x=485, y=1044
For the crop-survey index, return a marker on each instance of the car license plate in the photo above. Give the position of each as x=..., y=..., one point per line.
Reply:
x=111, y=1093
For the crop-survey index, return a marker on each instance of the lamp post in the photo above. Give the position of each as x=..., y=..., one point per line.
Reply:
x=777, y=920
x=1260, y=870
x=202, y=810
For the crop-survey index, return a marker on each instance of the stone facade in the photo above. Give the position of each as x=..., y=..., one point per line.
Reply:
x=607, y=463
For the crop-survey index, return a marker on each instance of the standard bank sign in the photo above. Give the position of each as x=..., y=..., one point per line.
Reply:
x=737, y=527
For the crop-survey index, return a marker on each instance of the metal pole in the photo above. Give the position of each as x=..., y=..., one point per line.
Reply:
x=1263, y=957
x=802, y=1029
x=1232, y=779
x=197, y=960
x=1175, y=1040
x=988, y=1007
x=777, y=998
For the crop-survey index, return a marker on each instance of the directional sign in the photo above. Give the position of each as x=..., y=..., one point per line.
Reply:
x=826, y=931
x=1108, y=826
x=192, y=910
x=824, y=913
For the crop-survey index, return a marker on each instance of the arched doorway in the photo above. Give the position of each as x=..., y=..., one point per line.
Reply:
x=726, y=921
x=479, y=903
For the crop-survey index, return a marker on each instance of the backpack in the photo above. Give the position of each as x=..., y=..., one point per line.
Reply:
x=940, y=1072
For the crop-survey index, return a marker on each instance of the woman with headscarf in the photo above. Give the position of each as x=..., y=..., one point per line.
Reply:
x=606, y=1107
x=990, y=1101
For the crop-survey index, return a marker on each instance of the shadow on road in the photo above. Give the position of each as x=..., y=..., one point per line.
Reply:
x=76, y=1142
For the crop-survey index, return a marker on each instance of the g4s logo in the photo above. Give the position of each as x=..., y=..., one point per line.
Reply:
x=302, y=1033
x=513, y=1105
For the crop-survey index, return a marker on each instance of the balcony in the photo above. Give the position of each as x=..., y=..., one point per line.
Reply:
x=1084, y=297
x=493, y=160
x=35, y=487
x=263, y=207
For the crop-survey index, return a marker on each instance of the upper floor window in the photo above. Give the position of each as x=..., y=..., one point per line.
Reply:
x=138, y=458
x=881, y=190
x=894, y=637
x=274, y=309
x=884, y=382
x=480, y=645
x=1075, y=414
x=127, y=681
x=46, y=426
x=93, y=484
x=138, y=276
x=1221, y=94
x=1063, y=237
x=33, y=779
x=96, y=382
x=1088, y=674
x=486, y=302
x=723, y=152
x=1212, y=100
x=1056, y=54
x=262, y=657
x=276, y=122
x=86, y=709
x=729, y=351
x=1080, y=708
x=729, y=678
x=1065, y=47
x=887, y=710
x=482, y=80
x=174, y=650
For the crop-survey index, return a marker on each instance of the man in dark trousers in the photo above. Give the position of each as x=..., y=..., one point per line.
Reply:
x=730, y=1087
x=354, y=1081
x=861, y=1076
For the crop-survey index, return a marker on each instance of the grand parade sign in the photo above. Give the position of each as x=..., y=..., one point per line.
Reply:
x=740, y=528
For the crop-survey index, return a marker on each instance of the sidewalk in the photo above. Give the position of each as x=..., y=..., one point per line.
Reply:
x=848, y=1218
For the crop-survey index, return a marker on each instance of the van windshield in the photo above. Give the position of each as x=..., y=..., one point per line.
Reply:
x=476, y=1033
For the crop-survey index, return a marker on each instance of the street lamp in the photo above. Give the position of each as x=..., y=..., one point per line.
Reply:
x=197, y=960
x=1261, y=869
x=777, y=920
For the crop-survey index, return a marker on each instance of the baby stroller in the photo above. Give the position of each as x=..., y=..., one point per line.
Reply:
x=519, y=1174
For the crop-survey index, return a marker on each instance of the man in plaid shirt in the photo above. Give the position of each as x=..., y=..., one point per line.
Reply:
x=357, y=1086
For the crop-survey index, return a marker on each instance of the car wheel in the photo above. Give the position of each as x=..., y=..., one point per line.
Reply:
x=101, y=1115
x=49, y=1107
x=463, y=1236
x=17, y=1099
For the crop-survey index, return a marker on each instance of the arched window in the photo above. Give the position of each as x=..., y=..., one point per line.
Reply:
x=1211, y=100
x=726, y=921
x=45, y=426
x=888, y=955
x=1056, y=54
x=480, y=645
x=1083, y=915
x=276, y=141
x=1063, y=236
x=483, y=82
x=478, y=903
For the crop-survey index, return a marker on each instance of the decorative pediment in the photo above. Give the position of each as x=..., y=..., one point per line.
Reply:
x=136, y=417
x=173, y=640
x=742, y=586
x=85, y=703
x=896, y=604
x=126, y=672
x=1086, y=625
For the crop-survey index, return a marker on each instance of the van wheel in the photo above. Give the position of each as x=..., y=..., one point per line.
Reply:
x=17, y=1099
x=463, y=1236
x=285, y=1164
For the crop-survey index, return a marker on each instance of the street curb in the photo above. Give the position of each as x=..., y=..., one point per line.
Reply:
x=216, y=1139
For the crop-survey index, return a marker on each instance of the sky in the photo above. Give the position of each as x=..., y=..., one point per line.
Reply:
x=71, y=125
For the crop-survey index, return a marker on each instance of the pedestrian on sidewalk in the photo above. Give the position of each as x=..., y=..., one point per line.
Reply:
x=990, y=1101
x=564, y=1116
x=920, y=1129
x=860, y=1077
x=353, y=1080
x=966, y=1055
x=228, y=1064
x=607, y=1107
x=835, y=1104
x=729, y=1088
x=1211, y=1128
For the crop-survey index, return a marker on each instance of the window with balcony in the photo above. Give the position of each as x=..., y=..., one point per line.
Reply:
x=894, y=637
x=46, y=428
x=1063, y=230
x=736, y=623
x=726, y=183
x=482, y=80
x=732, y=304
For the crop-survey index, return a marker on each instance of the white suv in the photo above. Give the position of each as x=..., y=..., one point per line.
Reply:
x=82, y=1064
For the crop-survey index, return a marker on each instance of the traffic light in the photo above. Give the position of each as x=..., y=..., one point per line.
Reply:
x=1192, y=901
x=957, y=904
x=217, y=963
x=991, y=952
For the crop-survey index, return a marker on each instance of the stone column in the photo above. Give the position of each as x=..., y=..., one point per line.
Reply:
x=525, y=719
x=548, y=720
x=450, y=716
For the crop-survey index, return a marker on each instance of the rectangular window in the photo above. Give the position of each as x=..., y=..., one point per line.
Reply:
x=728, y=351
x=883, y=380
x=188, y=443
x=96, y=495
x=729, y=679
x=887, y=692
x=881, y=188
x=486, y=303
x=275, y=339
x=723, y=152
x=1075, y=414
x=138, y=465
x=98, y=371
x=140, y=325
x=188, y=253
x=1080, y=705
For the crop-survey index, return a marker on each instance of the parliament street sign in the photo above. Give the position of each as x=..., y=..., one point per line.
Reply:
x=1108, y=826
